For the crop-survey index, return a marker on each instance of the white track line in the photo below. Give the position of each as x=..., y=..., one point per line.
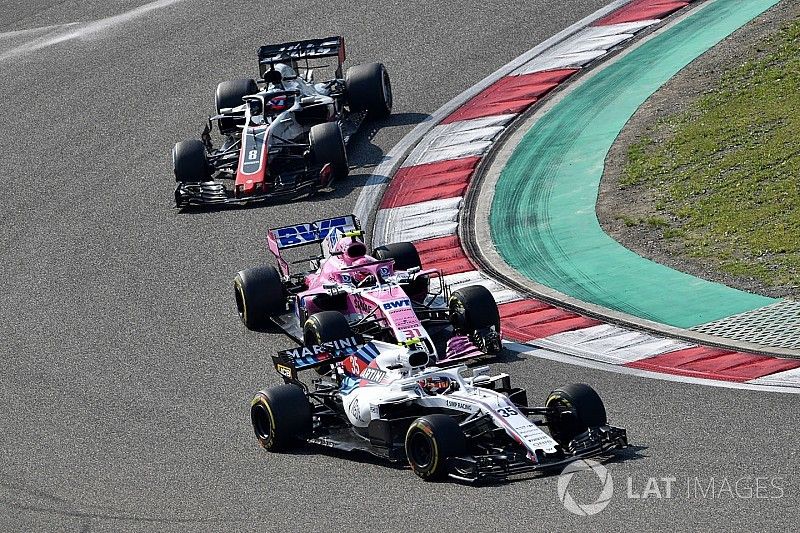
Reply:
x=584, y=46
x=611, y=344
x=570, y=359
x=82, y=30
x=457, y=140
x=417, y=222
x=34, y=31
x=787, y=378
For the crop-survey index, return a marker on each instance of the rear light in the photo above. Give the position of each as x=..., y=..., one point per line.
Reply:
x=325, y=175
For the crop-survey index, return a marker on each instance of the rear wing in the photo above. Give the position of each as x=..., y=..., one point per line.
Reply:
x=307, y=233
x=296, y=50
x=289, y=362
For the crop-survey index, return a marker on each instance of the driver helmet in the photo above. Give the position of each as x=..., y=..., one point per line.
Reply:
x=354, y=251
x=279, y=72
x=279, y=103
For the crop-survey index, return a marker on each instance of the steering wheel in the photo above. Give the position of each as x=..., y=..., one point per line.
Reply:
x=369, y=281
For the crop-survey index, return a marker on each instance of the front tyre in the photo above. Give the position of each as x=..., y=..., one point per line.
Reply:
x=405, y=256
x=259, y=296
x=327, y=146
x=190, y=162
x=430, y=441
x=369, y=89
x=281, y=417
x=577, y=407
x=473, y=312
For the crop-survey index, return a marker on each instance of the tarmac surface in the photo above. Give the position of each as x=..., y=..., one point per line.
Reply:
x=127, y=374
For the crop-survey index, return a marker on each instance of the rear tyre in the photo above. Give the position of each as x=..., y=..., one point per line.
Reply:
x=405, y=256
x=190, y=163
x=326, y=326
x=327, y=146
x=369, y=89
x=281, y=417
x=430, y=441
x=229, y=94
x=259, y=296
x=473, y=311
x=578, y=408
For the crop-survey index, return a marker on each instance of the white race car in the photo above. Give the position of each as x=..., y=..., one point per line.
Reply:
x=466, y=424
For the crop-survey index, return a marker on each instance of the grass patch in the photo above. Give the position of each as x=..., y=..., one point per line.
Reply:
x=729, y=168
x=629, y=220
x=657, y=222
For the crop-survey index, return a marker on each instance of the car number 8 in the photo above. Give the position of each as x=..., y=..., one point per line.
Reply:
x=252, y=154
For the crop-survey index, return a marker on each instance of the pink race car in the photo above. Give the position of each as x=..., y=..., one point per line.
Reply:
x=385, y=296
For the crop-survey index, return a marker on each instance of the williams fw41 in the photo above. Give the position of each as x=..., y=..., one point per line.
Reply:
x=469, y=425
x=285, y=136
x=385, y=296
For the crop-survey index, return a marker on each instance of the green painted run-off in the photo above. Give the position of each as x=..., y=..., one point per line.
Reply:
x=543, y=217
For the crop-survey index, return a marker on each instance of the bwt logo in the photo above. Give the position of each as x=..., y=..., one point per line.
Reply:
x=397, y=304
x=308, y=233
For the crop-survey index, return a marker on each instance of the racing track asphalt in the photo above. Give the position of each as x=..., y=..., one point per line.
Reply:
x=126, y=375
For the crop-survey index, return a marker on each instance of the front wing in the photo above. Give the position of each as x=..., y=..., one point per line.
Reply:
x=500, y=466
x=213, y=193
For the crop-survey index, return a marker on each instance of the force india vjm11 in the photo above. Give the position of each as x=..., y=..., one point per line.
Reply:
x=386, y=296
x=365, y=322
x=285, y=137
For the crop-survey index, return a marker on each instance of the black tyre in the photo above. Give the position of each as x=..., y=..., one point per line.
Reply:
x=229, y=94
x=326, y=326
x=430, y=441
x=369, y=89
x=405, y=256
x=190, y=163
x=578, y=407
x=281, y=417
x=473, y=308
x=259, y=295
x=473, y=312
x=327, y=146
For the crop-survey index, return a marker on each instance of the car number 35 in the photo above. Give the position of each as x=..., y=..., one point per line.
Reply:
x=505, y=412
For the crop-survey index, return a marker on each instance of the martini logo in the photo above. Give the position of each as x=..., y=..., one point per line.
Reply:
x=314, y=350
x=373, y=374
